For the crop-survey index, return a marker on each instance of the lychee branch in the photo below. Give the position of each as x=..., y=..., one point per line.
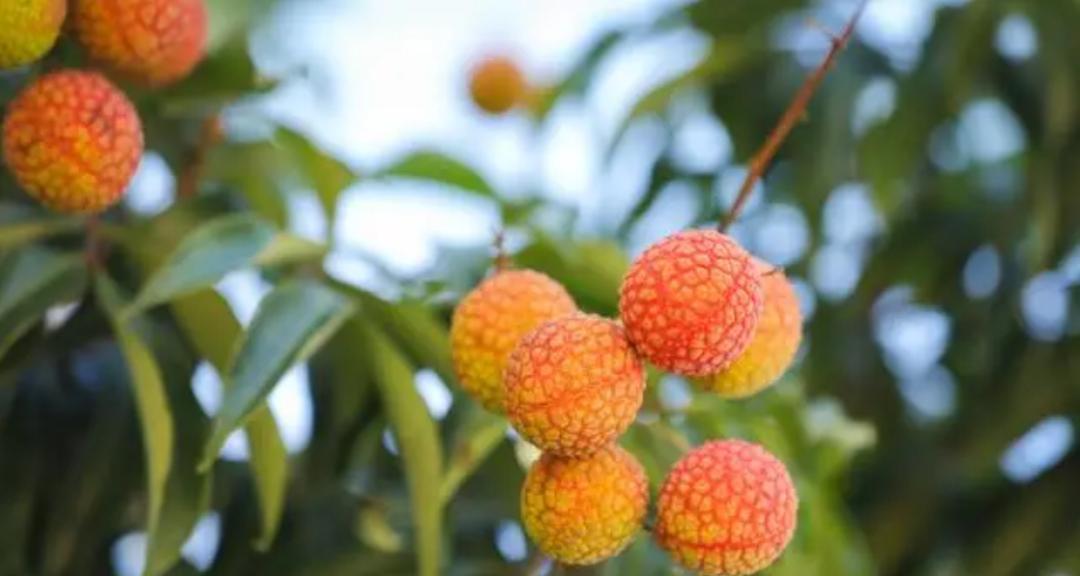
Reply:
x=791, y=117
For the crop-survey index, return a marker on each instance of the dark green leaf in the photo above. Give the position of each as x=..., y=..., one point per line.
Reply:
x=31, y=281
x=438, y=167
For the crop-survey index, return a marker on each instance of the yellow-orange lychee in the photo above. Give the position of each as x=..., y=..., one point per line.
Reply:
x=691, y=302
x=773, y=347
x=727, y=508
x=490, y=320
x=73, y=141
x=497, y=85
x=584, y=511
x=28, y=29
x=573, y=385
x=155, y=42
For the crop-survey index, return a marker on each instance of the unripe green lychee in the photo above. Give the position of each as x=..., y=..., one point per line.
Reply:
x=691, y=302
x=28, y=29
x=727, y=508
x=490, y=320
x=584, y=511
x=73, y=141
x=773, y=347
x=498, y=85
x=573, y=385
x=155, y=42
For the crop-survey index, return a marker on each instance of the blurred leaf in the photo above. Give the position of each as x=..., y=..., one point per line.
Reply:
x=33, y=280
x=576, y=83
x=418, y=440
x=154, y=413
x=292, y=322
x=21, y=233
x=221, y=78
x=288, y=248
x=231, y=19
x=211, y=326
x=438, y=167
x=204, y=257
x=415, y=329
x=326, y=174
x=476, y=439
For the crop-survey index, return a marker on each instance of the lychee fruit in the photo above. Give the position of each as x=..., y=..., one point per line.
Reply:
x=727, y=508
x=584, y=511
x=498, y=85
x=573, y=385
x=73, y=141
x=28, y=29
x=154, y=42
x=490, y=320
x=691, y=302
x=773, y=347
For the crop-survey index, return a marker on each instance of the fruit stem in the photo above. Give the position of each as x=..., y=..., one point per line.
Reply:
x=92, y=243
x=794, y=113
x=502, y=259
x=210, y=134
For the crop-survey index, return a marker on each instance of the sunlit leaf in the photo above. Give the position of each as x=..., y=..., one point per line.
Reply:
x=438, y=167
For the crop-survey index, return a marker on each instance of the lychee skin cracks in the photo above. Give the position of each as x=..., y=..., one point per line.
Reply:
x=691, y=302
x=727, y=508
x=573, y=385
x=490, y=321
x=73, y=141
x=156, y=42
x=773, y=347
x=497, y=85
x=28, y=29
x=587, y=510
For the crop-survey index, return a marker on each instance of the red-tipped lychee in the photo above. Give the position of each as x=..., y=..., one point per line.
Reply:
x=497, y=85
x=773, y=346
x=727, y=508
x=573, y=385
x=490, y=320
x=28, y=29
x=691, y=302
x=584, y=511
x=73, y=141
x=155, y=42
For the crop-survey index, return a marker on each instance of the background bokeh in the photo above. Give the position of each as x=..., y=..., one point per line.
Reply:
x=928, y=210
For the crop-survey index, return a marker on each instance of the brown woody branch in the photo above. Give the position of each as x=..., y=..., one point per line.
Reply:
x=791, y=117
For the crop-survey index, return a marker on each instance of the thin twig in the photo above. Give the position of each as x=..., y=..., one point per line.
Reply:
x=791, y=117
x=210, y=135
x=502, y=259
x=92, y=243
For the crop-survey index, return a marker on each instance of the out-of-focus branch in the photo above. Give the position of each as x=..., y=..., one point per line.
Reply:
x=210, y=135
x=791, y=117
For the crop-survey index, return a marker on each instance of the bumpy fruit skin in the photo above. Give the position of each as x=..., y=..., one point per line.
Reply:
x=691, y=302
x=574, y=385
x=587, y=510
x=73, y=141
x=490, y=321
x=28, y=29
x=727, y=508
x=155, y=42
x=773, y=347
x=497, y=85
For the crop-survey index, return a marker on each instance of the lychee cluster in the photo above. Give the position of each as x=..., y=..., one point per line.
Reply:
x=696, y=304
x=71, y=138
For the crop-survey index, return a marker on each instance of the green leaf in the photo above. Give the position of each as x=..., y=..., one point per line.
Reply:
x=438, y=167
x=292, y=322
x=326, y=174
x=150, y=399
x=415, y=329
x=22, y=233
x=204, y=257
x=211, y=327
x=32, y=281
x=418, y=439
x=477, y=438
x=288, y=248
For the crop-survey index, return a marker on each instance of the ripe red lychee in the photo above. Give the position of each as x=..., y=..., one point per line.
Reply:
x=691, y=302
x=497, y=85
x=490, y=320
x=73, y=141
x=727, y=508
x=155, y=42
x=773, y=347
x=584, y=511
x=573, y=385
x=28, y=29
